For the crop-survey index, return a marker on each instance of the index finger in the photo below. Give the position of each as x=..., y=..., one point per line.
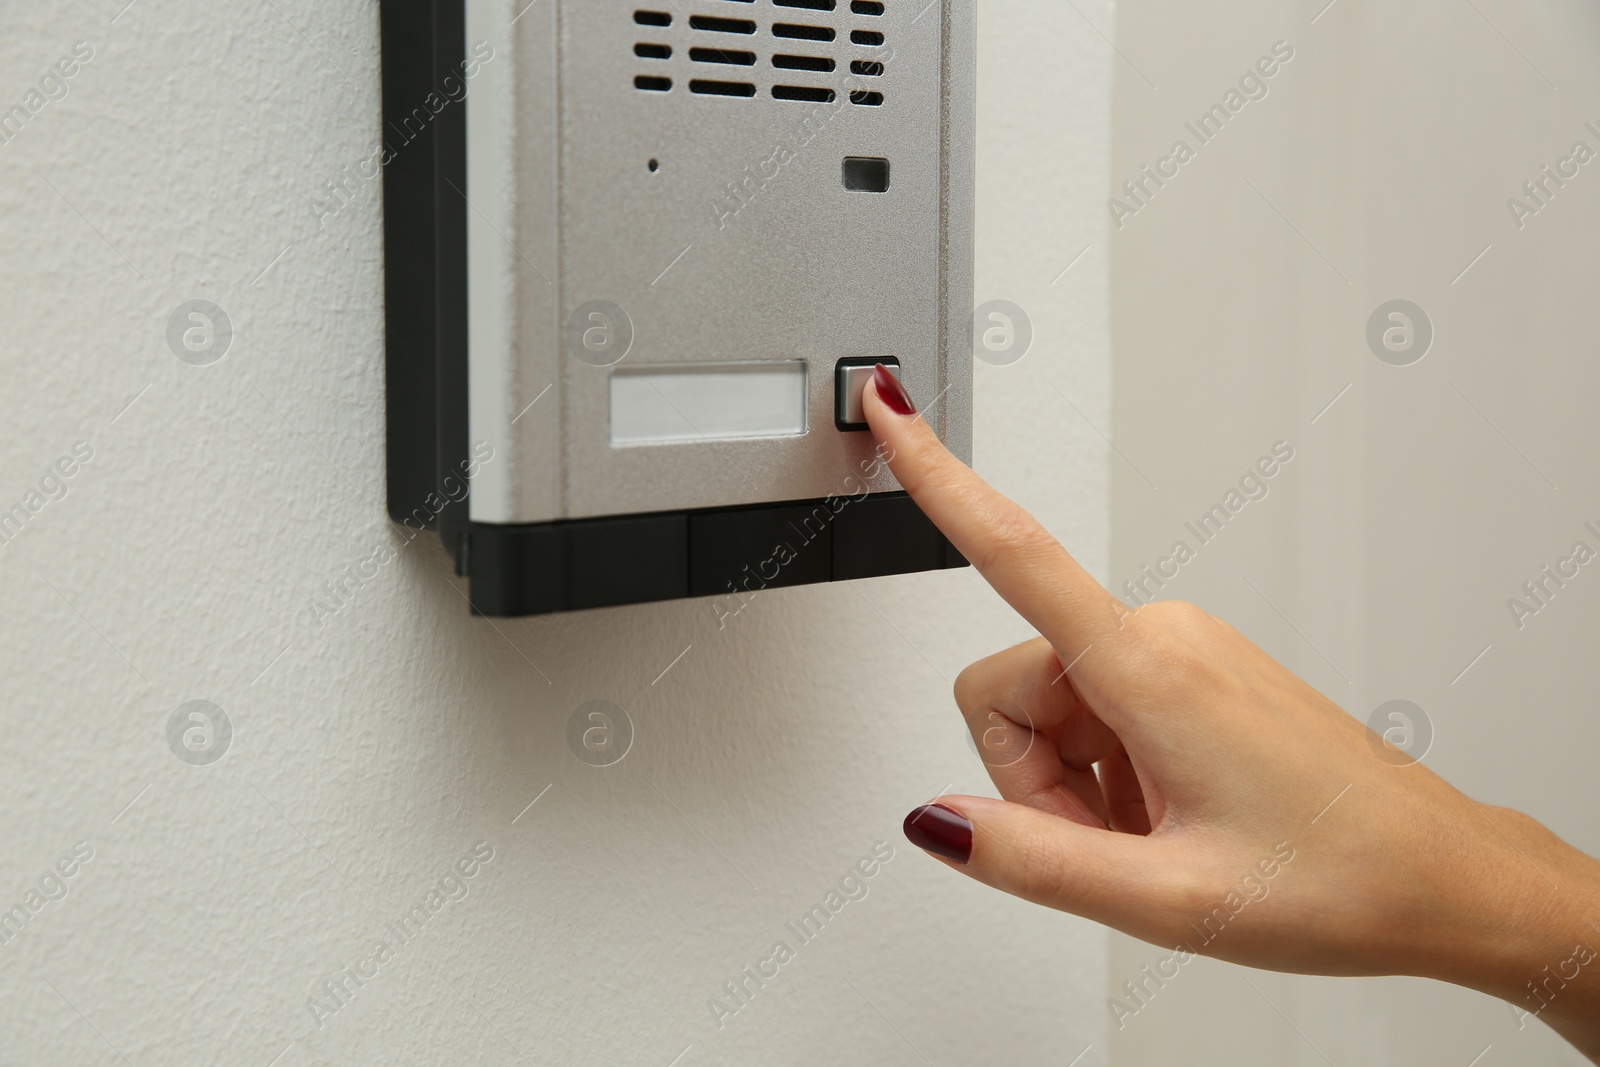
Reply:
x=1015, y=554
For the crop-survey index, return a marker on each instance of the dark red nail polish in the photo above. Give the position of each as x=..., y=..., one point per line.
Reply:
x=891, y=392
x=940, y=830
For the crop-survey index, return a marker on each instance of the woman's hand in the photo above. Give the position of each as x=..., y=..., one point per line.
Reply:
x=1165, y=776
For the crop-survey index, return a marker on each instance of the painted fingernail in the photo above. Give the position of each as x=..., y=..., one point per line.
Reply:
x=940, y=830
x=891, y=392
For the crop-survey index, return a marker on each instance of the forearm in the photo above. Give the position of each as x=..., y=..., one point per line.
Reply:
x=1529, y=930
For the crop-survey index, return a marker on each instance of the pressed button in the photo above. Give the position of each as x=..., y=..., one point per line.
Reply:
x=850, y=378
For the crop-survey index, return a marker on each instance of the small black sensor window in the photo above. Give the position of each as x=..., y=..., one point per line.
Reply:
x=864, y=174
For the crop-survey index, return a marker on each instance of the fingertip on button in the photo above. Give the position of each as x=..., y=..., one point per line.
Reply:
x=850, y=382
x=892, y=392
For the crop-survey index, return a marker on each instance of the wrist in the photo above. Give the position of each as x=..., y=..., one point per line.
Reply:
x=1526, y=927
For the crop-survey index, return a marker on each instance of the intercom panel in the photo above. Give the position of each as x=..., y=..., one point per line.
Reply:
x=640, y=260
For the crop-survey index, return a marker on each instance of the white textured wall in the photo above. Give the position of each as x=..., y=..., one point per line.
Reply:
x=1421, y=497
x=372, y=753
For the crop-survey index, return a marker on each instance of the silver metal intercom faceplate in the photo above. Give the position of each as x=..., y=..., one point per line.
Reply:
x=677, y=220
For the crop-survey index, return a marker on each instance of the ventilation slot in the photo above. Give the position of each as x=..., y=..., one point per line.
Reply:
x=817, y=63
x=706, y=87
x=802, y=33
x=787, y=60
x=723, y=55
x=806, y=93
x=713, y=24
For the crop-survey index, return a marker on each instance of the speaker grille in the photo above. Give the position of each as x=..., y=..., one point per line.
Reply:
x=805, y=51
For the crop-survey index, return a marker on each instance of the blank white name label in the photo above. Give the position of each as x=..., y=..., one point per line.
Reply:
x=655, y=404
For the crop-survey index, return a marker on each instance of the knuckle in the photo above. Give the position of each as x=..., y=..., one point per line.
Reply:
x=1181, y=666
x=1039, y=869
x=913, y=478
x=923, y=465
x=1009, y=532
x=984, y=681
x=1179, y=614
x=969, y=685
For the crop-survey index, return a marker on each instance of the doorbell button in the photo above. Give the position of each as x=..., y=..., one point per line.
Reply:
x=850, y=379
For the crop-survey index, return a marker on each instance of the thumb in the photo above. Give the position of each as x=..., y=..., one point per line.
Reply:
x=1109, y=877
